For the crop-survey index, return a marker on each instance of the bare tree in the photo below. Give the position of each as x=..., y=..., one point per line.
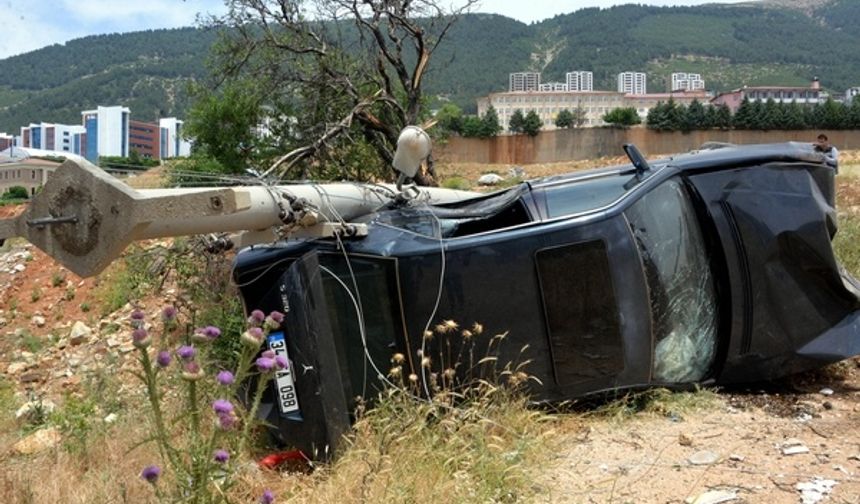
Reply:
x=354, y=67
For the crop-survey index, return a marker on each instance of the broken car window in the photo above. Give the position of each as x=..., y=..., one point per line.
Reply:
x=681, y=285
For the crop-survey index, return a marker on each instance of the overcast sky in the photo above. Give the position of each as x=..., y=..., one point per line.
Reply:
x=31, y=24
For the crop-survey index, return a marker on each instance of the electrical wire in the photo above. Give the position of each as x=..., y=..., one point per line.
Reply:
x=442, y=268
x=361, y=327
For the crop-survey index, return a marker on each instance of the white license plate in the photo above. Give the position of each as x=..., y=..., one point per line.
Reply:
x=288, y=400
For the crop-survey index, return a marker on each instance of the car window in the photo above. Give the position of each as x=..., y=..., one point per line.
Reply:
x=680, y=282
x=585, y=195
x=581, y=312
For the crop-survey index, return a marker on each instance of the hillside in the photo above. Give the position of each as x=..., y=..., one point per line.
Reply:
x=774, y=42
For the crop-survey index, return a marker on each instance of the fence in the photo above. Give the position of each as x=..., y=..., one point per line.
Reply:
x=590, y=143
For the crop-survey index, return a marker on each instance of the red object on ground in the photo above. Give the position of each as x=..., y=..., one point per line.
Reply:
x=275, y=459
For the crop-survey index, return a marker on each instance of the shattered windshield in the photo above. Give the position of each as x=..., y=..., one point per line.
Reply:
x=681, y=285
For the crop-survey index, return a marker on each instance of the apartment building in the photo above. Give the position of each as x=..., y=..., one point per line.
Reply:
x=172, y=144
x=107, y=132
x=553, y=86
x=524, y=81
x=682, y=81
x=580, y=80
x=632, y=83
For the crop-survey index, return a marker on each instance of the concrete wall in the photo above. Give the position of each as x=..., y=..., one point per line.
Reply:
x=589, y=143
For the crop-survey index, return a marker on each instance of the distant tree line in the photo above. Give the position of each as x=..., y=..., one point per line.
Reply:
x=666, y=116
x=754, y=115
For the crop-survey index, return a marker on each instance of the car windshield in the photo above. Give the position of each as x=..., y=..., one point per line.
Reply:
x=680, y=282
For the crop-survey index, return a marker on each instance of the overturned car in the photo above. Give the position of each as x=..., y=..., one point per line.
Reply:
x=709, y=267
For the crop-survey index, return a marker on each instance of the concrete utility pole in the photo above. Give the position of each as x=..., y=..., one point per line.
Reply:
x=84, y=218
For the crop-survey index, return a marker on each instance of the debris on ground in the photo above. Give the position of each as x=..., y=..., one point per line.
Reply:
x=815, y=491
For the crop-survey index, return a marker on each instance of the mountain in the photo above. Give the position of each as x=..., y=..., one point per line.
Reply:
x=755, y=43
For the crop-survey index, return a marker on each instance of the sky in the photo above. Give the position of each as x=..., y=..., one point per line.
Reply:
x=31, y=24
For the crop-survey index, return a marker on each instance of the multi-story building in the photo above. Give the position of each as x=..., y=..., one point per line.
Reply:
x=580, y=80
x=553, y=86
x=107, y=132
x=632, y=83
x=145, y=139
x=524, y=81
x=30, y=174
x=6, y=141
x=54, y=137
x=851, y=93
x=810, y=95
x=595, y=104
x=172, y=143
x=682, y=81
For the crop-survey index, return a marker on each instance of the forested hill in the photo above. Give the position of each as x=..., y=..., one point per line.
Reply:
x=730, y=45
x=147, y=71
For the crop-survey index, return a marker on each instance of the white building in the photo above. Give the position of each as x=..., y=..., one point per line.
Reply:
x=851, y=93
x=107, y=132
x=553, y=86
x=682, y=81
x=580, y=81
x=172, y=143
x=632, y=83
x=524, y=81
x=70, y=138
x=595, y=104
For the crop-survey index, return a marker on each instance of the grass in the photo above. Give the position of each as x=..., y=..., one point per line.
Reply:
x=457, y=182
x=404, y=450
x=847, y=243
x=659, y=401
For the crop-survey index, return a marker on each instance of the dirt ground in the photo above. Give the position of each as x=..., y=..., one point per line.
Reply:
x=736, y=445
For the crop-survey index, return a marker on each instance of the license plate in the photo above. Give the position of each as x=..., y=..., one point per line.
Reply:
x=285, y=386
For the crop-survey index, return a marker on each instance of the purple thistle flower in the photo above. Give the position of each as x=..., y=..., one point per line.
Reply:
x=269, y=354
x=257, y=317
x=163, y=359
x=168, y=314
x=267, y=498
x=253, y=337
x=225, y=378
x=140, y=338
x=227, y=420
x=186, y=352
x=151, y=473
x=265, y=364
x=205, y=334
x=274, y=320
x=191, y=371
x=136, y=318
x=221, y=456
x=222, y=406
x=281, y=362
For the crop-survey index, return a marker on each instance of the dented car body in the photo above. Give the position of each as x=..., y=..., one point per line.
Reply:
x=709, y=267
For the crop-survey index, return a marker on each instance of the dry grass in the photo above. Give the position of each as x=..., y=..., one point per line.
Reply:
x=402, y=451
